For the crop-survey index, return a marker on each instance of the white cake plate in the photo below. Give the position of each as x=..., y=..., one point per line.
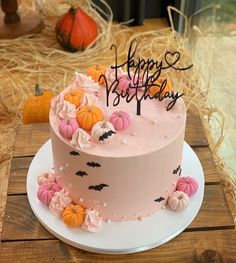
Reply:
x=118, y=238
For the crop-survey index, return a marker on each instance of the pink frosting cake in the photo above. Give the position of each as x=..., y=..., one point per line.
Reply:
x=124, y=171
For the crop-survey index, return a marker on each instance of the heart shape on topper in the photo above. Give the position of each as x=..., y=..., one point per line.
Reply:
x=172, y=58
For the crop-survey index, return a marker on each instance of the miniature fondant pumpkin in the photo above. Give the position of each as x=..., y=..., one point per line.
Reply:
x=73, y=215
x=125, y=83
x=67, y=127
x=45, y=177
x=75, y=30
x=154, y=89
x=178, y=201
x=103, y=131
x=120, y=120
x=47, y=190
x=187, y=185
x=88, y=115
x=74, y=96
x=37, y=107
x=96, y=71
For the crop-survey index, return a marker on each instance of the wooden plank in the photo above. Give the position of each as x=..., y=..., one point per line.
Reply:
x=214, y=212
x=209, y=167
x=4, y=175
x=20, y=165
x=20, y=222
x=19, y=219
x=187, y=247
x=30, y=137
x=195, y=134
x=5, y=164
x=18, y=174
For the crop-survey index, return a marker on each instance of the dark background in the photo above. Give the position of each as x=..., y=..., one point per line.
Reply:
x=124, y=10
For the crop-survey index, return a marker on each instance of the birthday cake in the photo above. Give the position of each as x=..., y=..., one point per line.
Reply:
x=117, y=140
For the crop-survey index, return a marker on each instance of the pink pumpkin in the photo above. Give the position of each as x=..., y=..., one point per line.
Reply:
x=45, y=177
x=46, y=191
x=67, y=127
x=178, y=201
x=120, y=120
x=124, y=83
x=187, y=185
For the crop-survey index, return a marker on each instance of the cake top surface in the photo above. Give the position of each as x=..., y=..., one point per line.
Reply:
x=114, y=112
x=154, y=129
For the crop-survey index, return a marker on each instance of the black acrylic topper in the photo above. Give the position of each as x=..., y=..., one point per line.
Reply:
x=145, y=75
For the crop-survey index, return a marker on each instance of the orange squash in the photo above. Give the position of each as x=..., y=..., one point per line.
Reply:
x=96, y=71
x=73, y=215
x=75, y=30
x=154, y=89
x=74, y=96
x=88, y=115
x=37, y=107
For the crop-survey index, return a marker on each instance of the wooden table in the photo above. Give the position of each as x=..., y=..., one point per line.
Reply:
x=24, y=239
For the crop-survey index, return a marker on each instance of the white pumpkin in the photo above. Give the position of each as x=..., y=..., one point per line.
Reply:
x=178, y=201
x=103, y=132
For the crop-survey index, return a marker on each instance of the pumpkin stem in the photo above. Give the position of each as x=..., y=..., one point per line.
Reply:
x=103, y=124
x=120, y=113
x=38, y=91
x=97, y=67
x=89, y=108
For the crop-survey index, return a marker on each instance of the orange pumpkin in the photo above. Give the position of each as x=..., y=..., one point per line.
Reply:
x=88, y=115
x=74, y=96
x=73, y=215
x=37, y=107
x=154, y=89
x=75, y=30
x=96, y=71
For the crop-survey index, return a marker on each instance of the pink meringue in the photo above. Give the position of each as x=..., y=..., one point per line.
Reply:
x=59, y=201
x=92, y=221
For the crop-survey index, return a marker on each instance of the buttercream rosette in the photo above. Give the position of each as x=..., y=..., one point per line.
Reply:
x=81, y=139
x=111, y=75
x=85, y=83
x=92, y=221
x=59, y=201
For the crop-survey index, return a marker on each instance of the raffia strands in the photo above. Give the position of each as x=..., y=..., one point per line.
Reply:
x=39, y=59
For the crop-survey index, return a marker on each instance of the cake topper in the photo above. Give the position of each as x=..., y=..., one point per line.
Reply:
x=144, y=75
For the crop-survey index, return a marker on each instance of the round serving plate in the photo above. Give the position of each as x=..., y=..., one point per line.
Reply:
x=118, y=237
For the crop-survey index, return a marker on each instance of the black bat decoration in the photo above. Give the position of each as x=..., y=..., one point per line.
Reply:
x=105, y=135
x=93, y=164
x=81, y=173
x=159, y=199
x=180, y=171
x=98, y=187
x=74, y=153
x=177, y=170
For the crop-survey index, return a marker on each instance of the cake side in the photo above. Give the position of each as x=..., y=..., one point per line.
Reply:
x=131, y=176
x=119, y=188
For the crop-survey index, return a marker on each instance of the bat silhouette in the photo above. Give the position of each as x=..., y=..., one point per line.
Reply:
x=105, y=135
x=98, y=187
x=93, y=164
x=81, y=173
x=159, y=199
x=74, y=153
x=177, y=170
